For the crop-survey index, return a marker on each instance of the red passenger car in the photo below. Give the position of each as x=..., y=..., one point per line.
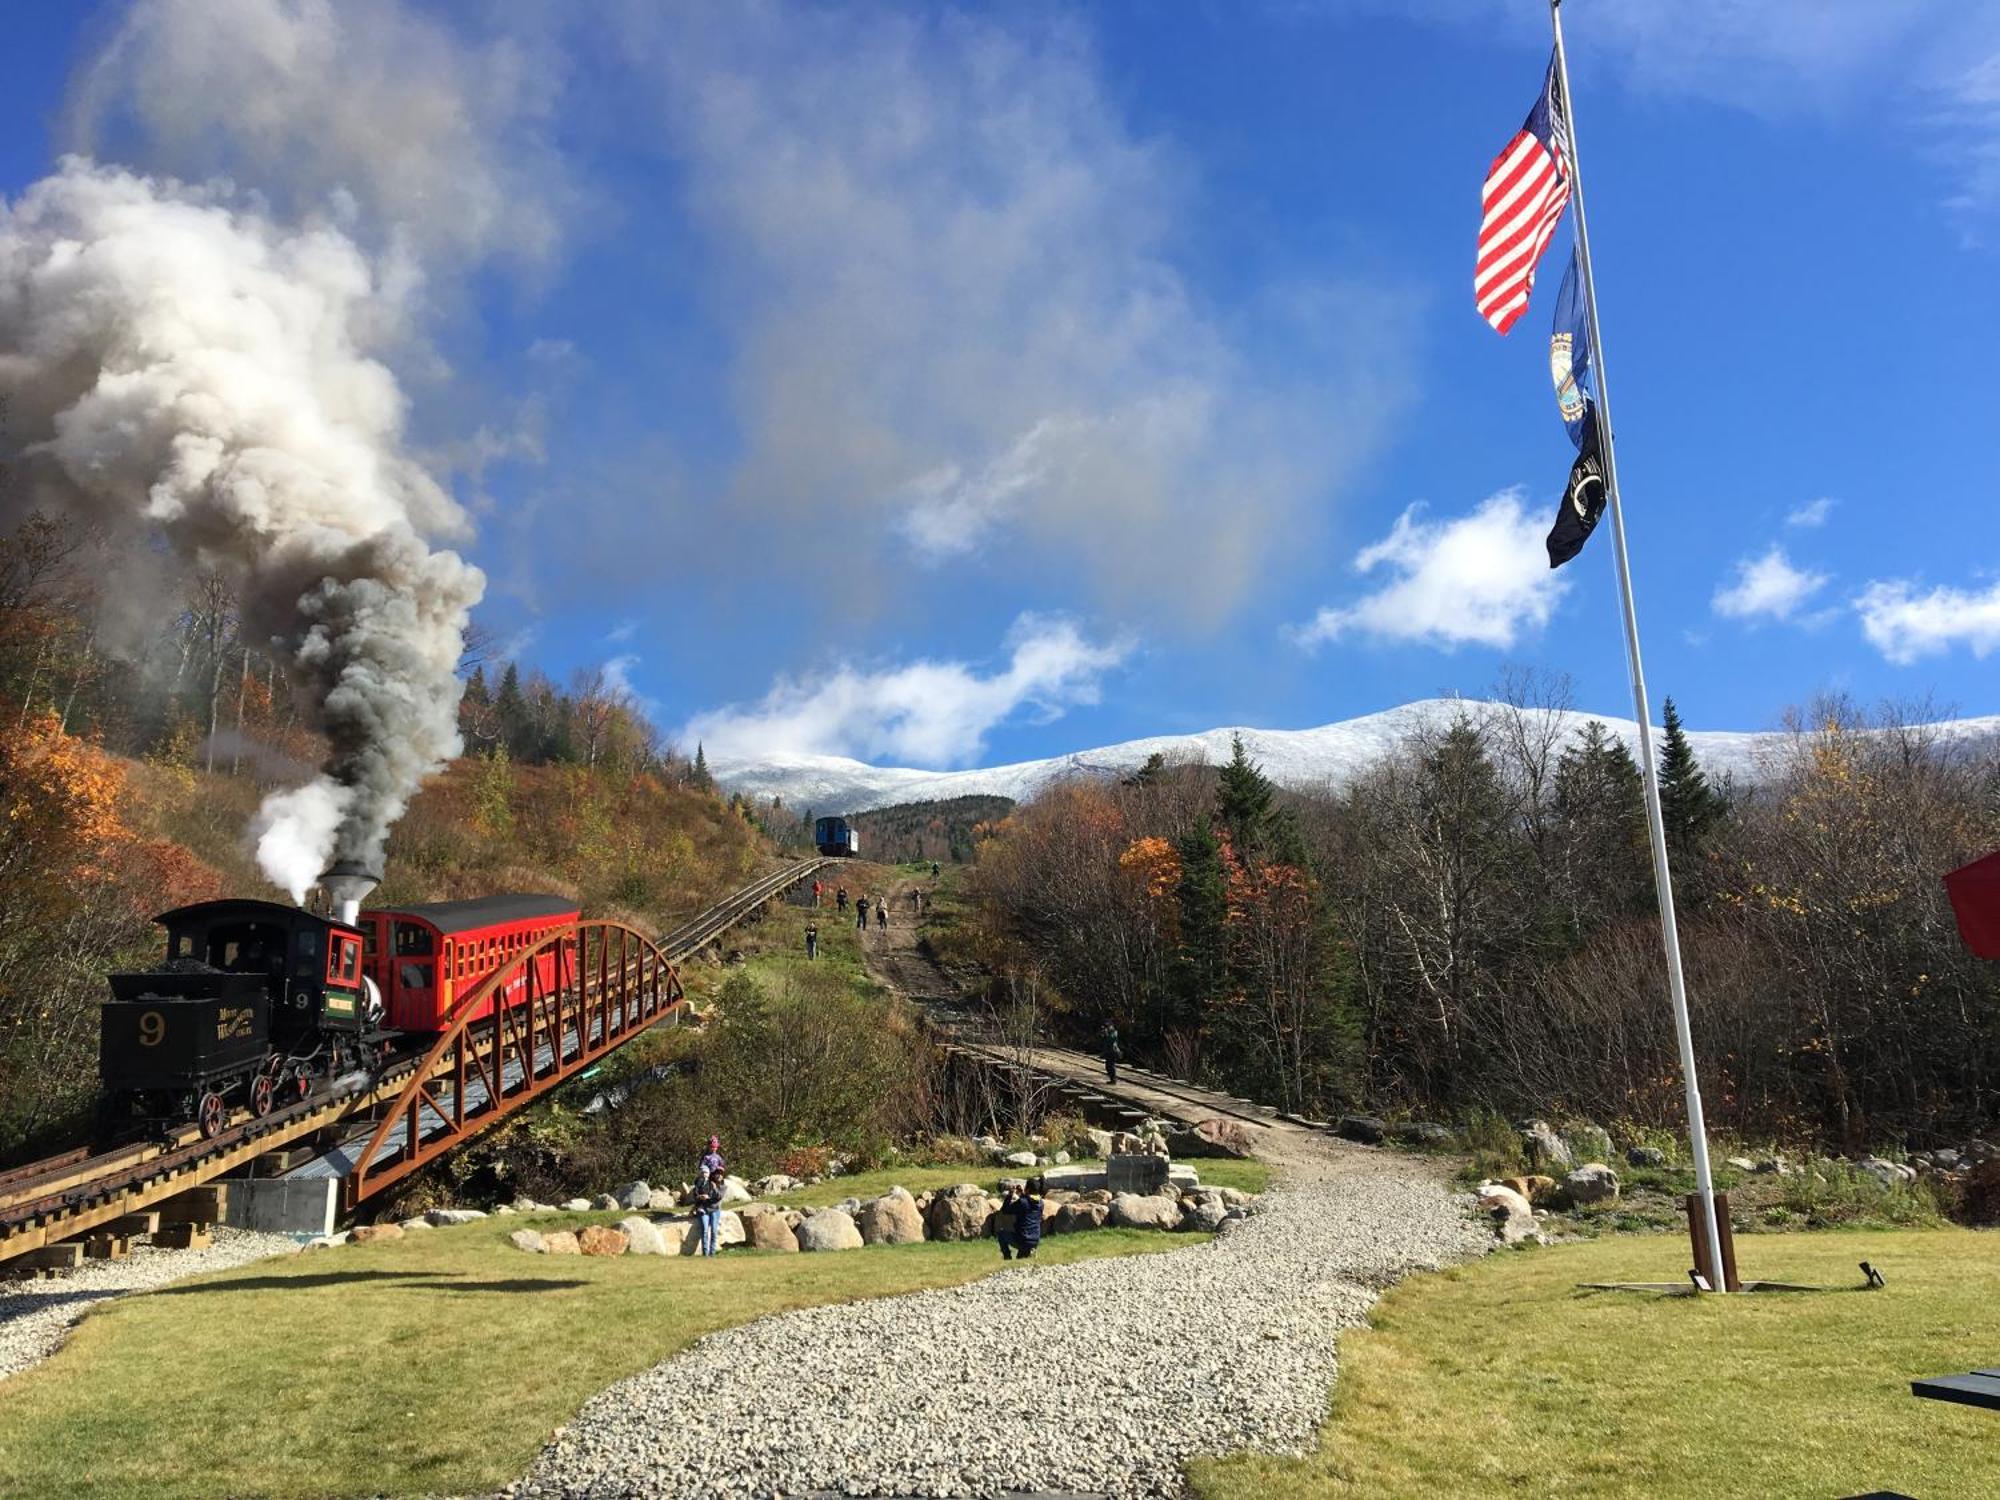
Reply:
x=422, y=957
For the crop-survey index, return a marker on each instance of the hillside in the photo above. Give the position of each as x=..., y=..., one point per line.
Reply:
x=920, y=831
x=1300, y=758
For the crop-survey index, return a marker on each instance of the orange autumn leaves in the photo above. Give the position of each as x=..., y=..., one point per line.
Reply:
x=60, y=807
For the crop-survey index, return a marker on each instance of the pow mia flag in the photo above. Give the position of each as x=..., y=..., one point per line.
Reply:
x=1583, y=497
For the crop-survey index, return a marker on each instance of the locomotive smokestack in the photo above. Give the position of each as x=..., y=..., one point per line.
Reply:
x=348, y=883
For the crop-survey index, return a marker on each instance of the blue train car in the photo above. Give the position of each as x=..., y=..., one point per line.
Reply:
x=832, y=836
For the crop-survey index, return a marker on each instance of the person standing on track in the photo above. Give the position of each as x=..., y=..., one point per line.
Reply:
x=840, y=899
x=812, y=940
x=816, y=890
x=711, y=1159
x=861, y=912
x=1107, y=1048
x=881, y=914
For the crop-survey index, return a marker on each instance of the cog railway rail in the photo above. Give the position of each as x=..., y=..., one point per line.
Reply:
x=612, y=983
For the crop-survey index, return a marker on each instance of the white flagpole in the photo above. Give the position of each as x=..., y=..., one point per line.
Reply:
x=1662, y=876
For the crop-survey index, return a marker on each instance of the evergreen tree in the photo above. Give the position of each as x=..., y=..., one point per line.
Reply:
x=1200, y=970
x=1689, y=806
x=702, y=779
x=475, y=688
x=1600, y=815
x=1243, y=801
x=1154, y=768
x=510, y=710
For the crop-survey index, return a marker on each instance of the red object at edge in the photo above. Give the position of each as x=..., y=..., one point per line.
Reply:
x=1975, y=897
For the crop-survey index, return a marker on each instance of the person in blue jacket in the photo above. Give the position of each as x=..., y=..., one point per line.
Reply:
x=1028, y=1218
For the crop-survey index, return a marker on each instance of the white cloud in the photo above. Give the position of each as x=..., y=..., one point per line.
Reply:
x=928, y=713
x=1904, y=624
x=948, y=269
x=1478, y=579
x=1812, y=513
x=362, y=110
x=623, y=631
x=1767, y=585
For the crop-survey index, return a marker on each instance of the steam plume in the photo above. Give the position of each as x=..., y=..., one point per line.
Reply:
x=178, y=368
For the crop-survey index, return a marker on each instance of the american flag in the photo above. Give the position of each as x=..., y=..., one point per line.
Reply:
x=1526, y=190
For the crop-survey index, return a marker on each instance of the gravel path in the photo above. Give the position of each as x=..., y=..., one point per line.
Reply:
x=1102, y=1377
x=35, y=1315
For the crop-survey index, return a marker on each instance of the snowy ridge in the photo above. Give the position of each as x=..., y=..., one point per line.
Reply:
x=1327, y=756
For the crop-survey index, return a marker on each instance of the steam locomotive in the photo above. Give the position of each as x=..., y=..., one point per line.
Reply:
x=258, y=1005
x=832, y=836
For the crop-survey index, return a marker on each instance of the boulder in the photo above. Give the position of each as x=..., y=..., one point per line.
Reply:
x=1218, y=1137
x=1135, y=1172
x=1019, y=1159
x=1363, y=1128
x=1428, y=1134
x=1534, y=1187
x=1645, y=1156
x=560, y=1242
x=1061, y=1158
x=674, y=1233
x=1587, y=1142
x=828, y=1229
x=891, y=1219
x=1208, y=1214
x=777, y=1184
x=410, y=1225
x=1145, y=1211
x=735, y=1190
x=1513, y=1219
x=641, y=1238
x=1740, y=1163
x=369, y=1234
x=604, y=1203
x=769, y=1232
x=1888, y=1173
x=1593, y=1182
x=1100, y=1142
x=959, y=1214
x=579, y=1206
x=528, y=1240
x=1071, y=1217
x=1233, y=1197
x=1771, y=1166
x=504, y=1208
x=527, y=1205
x=601, y=1239
x=441, y=1217
x=849, y=1206
x=1544, y=1149
x=633, y=1195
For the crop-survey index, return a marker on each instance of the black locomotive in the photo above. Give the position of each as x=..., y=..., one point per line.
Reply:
x=256, y=1004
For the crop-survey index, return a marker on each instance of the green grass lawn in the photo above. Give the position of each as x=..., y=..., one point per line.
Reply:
x=1502, y=1376
x=435, y=1364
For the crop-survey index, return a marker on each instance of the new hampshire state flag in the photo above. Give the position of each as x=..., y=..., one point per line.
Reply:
x=1570, y=369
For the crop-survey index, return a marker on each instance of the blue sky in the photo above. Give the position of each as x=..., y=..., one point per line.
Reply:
x=953, y=386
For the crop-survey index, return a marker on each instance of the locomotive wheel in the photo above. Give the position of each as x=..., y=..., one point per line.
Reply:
x=302, y=1083
x=211, y=1116
x=261, y=1096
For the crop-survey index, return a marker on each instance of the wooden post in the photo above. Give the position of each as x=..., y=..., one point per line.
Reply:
x=1698, y=1237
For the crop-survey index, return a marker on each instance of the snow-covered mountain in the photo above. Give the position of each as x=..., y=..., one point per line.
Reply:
x=1328, y=755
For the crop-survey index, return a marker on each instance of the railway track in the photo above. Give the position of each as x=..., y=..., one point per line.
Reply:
x=84, y=1188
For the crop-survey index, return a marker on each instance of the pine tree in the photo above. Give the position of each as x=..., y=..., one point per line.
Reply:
x=1243, y=801
x=1600, y=810
x=1154, y=768
x=702, y=779
x=1201, y=966
x=1689, y=806
x=510, y=710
